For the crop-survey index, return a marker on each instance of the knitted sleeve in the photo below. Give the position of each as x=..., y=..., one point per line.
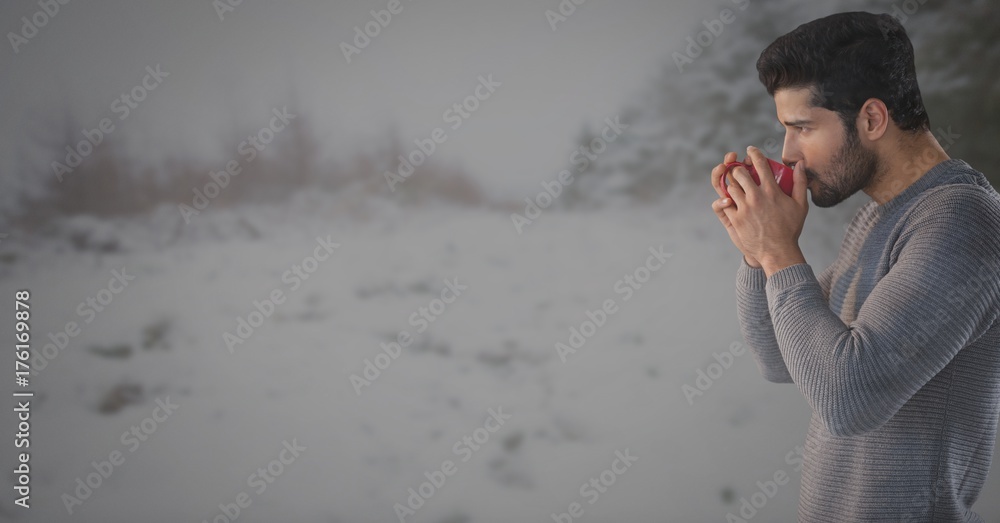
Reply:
x=941, y=292
x=755, y=320
x=755, y=323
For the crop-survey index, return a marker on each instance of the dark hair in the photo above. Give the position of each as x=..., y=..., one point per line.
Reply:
x=847, y=58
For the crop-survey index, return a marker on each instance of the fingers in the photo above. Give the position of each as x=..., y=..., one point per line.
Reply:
x=767, y=181
x=742, y=185
x=720, y=204
x=800, y=183
x=720, y=207
x=717, y=173
x=716, y=179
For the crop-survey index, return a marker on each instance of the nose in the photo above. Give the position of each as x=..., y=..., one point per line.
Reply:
x=790, y=153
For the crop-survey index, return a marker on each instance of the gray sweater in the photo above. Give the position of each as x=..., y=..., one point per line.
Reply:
x=896, y=347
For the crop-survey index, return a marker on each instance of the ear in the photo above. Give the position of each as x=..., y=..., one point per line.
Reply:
x=873, y=119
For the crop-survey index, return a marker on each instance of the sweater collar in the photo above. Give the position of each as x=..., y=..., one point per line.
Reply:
x=928, y=180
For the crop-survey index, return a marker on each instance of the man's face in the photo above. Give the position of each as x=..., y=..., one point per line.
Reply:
x=836, y=163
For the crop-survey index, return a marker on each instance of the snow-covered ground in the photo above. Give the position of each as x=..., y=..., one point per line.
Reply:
x=283, y=399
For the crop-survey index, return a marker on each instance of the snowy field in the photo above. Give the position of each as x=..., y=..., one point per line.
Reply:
x=169, y=422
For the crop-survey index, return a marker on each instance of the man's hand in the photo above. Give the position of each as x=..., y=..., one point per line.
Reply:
x=722, y=202
x=766, y=221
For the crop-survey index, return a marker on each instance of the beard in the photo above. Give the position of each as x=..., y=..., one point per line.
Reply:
x=853, y=168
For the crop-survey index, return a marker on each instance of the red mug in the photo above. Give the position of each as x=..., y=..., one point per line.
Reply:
x=783, y=174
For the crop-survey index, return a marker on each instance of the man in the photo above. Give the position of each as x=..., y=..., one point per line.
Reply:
x=896, y=345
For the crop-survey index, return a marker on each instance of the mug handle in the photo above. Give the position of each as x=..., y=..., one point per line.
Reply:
x=729, y=167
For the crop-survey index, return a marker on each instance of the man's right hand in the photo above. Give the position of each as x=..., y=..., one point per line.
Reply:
x=718, y=205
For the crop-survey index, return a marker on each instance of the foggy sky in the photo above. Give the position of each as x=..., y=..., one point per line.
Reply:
x=226, y=75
